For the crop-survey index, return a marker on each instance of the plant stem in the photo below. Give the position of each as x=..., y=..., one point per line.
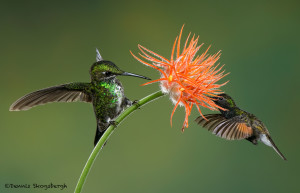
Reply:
x=108, y=132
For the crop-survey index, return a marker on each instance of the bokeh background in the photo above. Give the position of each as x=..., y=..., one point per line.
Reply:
x=47, y=43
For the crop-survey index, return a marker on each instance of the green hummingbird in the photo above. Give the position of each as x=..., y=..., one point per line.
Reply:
x=234, y=123
x=105, y=92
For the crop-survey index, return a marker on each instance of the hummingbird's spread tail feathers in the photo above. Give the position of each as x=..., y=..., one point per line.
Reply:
x=266, y=139
x=63, y=93
x=230, y=129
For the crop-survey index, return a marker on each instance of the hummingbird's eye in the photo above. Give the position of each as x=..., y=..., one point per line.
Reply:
x=107, y=73
x=221, y=98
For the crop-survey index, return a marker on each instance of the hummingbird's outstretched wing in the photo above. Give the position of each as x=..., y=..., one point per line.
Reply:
x=230, y=129
x=63, y=93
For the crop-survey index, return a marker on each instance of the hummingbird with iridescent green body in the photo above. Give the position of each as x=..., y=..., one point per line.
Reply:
x=234, y=124
x=105, y=92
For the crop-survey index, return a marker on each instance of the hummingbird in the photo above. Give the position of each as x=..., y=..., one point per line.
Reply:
x=104, y=91
x=234, y=124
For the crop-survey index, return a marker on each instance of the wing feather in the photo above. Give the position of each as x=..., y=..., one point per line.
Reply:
x=220, y=127
x=230, y=129
x=63, y=93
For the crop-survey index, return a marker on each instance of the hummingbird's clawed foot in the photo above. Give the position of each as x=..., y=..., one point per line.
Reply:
x=253, y=140
x=113, y=123
x=136, y=102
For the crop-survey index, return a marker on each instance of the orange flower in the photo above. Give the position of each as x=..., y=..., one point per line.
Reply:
x=188, y=79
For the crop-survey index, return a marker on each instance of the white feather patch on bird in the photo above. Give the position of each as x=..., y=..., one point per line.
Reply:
x=265, y=140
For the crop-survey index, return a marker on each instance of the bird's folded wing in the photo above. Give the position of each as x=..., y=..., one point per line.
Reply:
x=63, y=93
x=229, y=129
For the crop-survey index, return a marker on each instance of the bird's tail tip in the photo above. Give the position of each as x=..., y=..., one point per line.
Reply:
x=276, y=149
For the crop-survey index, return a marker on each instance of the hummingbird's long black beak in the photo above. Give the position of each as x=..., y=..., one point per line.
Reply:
x=135, y=75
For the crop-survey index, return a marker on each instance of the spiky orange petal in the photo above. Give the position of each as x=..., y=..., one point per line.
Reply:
x=188, y=79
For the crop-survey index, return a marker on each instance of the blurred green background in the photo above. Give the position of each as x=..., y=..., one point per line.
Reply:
x=47, y=43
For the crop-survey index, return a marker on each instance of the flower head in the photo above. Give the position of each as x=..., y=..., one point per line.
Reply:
x=188, y=79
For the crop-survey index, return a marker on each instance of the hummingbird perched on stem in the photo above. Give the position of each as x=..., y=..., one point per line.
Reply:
x=234, y=123
x=105, y=92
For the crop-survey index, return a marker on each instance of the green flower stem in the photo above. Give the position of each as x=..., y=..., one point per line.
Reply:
x=108, y=132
